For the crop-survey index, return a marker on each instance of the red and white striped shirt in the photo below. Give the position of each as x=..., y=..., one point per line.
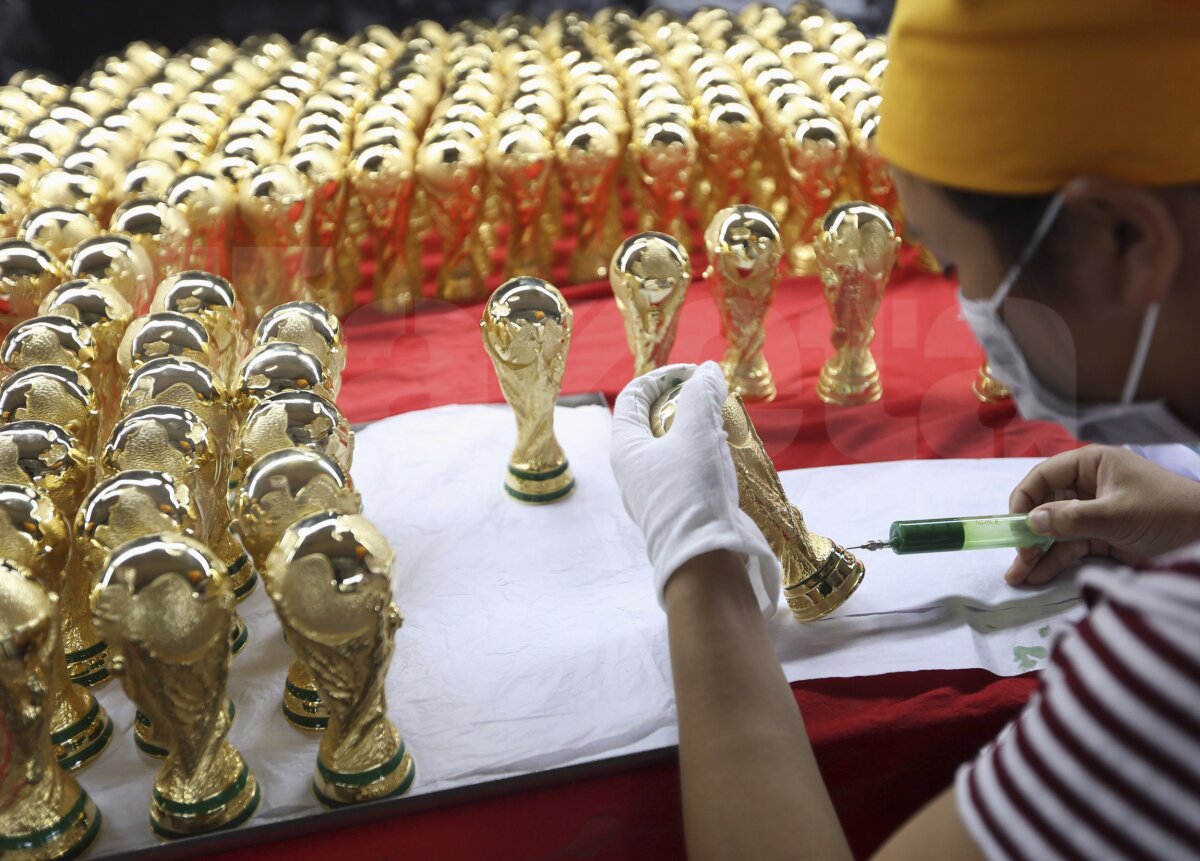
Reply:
x=1104, y=761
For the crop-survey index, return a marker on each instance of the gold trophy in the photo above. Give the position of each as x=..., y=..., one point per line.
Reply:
x=324, y=169
x=815, y=152
x=519, y=163
x=987, y=388
x=330, y=580
x=159, y=228
x=527, y=332
x=118, y=260
x=818, y=575
x=279, y=367
x=27, y=274
x=282, y=488
x=58, y=229
x=588, y=157
x=744, y=250
x=50, y=340
x=383, y=180
x=650, y=273
x=161, y=334
x=312, y=327
x=291, y=419
x=209, y=300
x=450, y=171
x=40, y=455
x=132, y=504
x=44, y=812
x=663, y=155
x=274, y=203
x=165, y=606
x=55, y=394
x=856, y=251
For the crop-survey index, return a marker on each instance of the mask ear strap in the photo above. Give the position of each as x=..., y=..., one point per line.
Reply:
x=1140, y=353
x=1044, y=225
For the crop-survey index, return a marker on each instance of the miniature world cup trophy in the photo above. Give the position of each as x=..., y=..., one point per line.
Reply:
x=280, y=489
x=165, y=606
x=210, y=300
x=27, y=274
x=744, y=251
x=292, y=419
x=330, y=580
x=312, y=327
x=383, y=179
x=856, y=251
x=650, y=273
x=450, y=171
x=44, y=812
x=588, y=156
x=818, y=575
x=527, y=332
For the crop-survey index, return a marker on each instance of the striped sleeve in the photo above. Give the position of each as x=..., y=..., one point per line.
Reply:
x=1104, y=761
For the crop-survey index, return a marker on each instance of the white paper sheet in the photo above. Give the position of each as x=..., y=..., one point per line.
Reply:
x=532, y=638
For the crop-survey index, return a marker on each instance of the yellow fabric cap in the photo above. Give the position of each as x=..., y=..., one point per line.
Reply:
x=1019, y=96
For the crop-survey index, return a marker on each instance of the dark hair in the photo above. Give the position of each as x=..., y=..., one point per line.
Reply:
x=1010, y=218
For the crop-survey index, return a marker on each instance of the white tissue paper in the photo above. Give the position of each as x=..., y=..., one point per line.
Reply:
x=532, y=639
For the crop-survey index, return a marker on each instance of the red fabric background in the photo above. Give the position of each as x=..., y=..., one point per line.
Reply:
x=886, y=744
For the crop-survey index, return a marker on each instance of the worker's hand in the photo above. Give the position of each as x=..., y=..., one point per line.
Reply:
x=1109, y=502
x=681, y=489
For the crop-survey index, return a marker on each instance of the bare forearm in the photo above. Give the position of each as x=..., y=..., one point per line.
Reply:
x=751, y=787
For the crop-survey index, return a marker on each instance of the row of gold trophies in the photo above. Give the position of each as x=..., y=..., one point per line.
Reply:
x=283, y=166
x=150, y=470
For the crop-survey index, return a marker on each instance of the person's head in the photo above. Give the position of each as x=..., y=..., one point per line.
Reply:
x=1007, y=119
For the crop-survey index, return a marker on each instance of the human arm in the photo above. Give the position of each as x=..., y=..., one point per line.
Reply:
x=1102, y=501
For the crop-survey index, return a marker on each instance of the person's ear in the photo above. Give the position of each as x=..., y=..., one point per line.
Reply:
x=1143, y=233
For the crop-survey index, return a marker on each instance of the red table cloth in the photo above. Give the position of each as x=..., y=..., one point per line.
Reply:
x=886, y=744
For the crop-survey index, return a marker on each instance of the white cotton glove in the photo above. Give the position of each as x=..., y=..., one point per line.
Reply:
x=681, y=489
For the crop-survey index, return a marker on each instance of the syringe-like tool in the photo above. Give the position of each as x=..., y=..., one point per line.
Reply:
x=959, y=533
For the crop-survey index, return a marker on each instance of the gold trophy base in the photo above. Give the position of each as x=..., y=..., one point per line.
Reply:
x=228, y=808
x=302, y=703
x=392, y=778
x=89, y=667
x=752, y=380
x=827, y=588
x=539, y=488
x=987, y=388
x=243, y=578
x=843, y=388
x=69, y=837
x=240, y=633
x=83, y=740
x=143, y=733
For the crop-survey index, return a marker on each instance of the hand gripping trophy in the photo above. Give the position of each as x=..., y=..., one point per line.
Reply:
x=818, y=575
x=744, y=250
x=330, y=580
x=856, y=251
x=527, y=332
x=165, y=606
x=650, y=273
x=44, y=812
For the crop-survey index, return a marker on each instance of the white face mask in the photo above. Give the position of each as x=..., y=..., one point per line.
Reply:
x=1115, y=423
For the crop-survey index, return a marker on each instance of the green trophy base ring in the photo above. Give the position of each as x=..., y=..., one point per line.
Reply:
x=89, y=667
x=70, y=837
x=228, y=808
x=243, y=577
x=240, y=634
x=539, y=488
x=304, y=708
x=78, y=744
x=392, y=778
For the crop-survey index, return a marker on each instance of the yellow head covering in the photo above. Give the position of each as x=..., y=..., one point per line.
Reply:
x=1019, y=96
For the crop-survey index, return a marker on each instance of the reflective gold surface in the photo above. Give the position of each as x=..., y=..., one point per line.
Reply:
x=160, y=229
x=44, y=813
x=330, y=580
x=279, y=367
x=55, y=394
x=312, y=327
x=292, y=419
x=650, y=274
x=166, y=608
x=211, y=301
x=527, y=332
x=27, y=274
x=118, y=261
x=58, y=229
x=818, y=575
x=744, y=251
x=50, y=340
x=161, y=334
x=987, y=388
x=856, y=251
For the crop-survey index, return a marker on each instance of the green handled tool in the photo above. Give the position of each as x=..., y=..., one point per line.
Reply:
x=959, y=533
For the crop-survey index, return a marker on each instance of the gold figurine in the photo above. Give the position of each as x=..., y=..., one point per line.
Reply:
x=383, y=180
x=166, y=609
x=856, y=251
x=44, y=812
x=27, y=274
x=119, y=261
x=650, y=273
x=330, y=580
x=55, y=394
x=589, y=154
x=450, y=171
x=282, y=488
x=291, y=419
x=279, y=367
x=211, y=301
x=527, y=332
x=160, y=229
x=744, y=250
x=312, y=327
x=58, y=229
x=50, y=340
x=818, y=575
